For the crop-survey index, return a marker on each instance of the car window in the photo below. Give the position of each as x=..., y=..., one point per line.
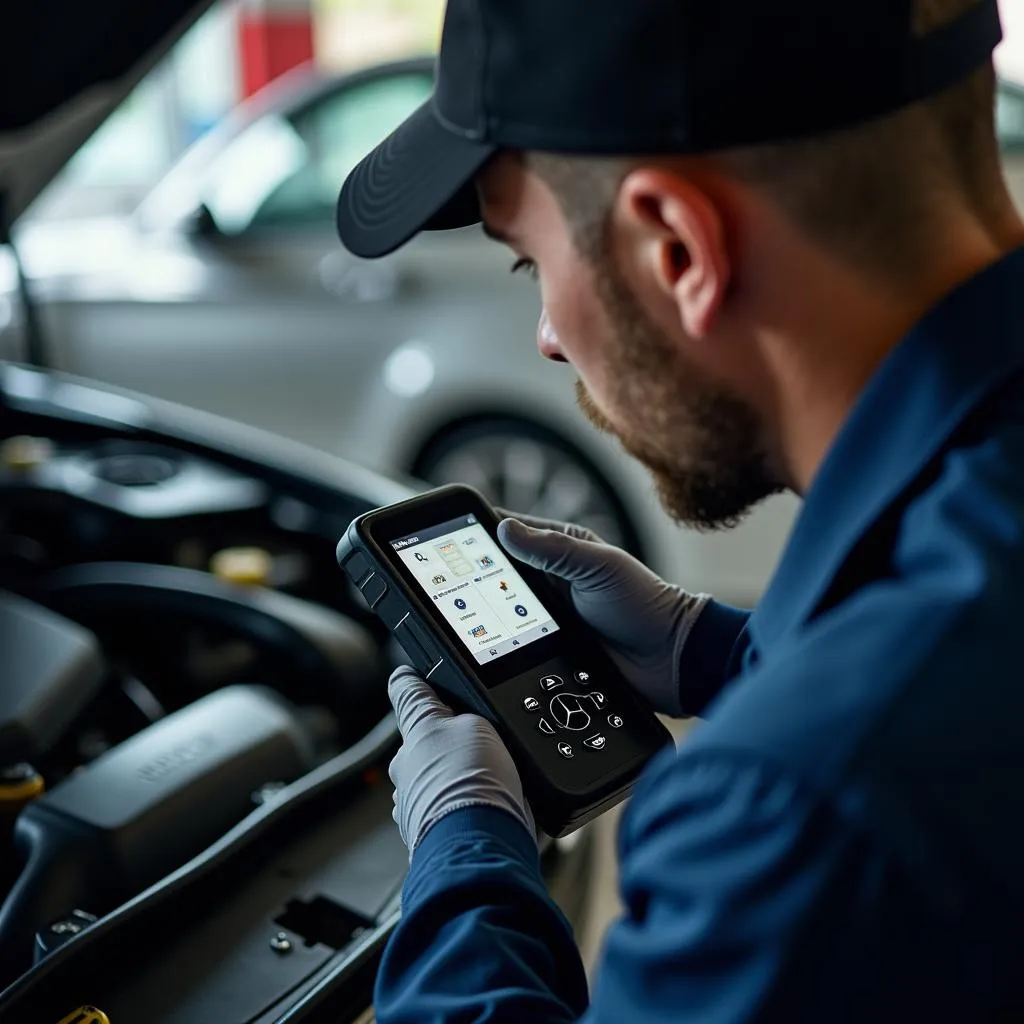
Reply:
x=1010, y=117
x=253, y=166
x=286, y=171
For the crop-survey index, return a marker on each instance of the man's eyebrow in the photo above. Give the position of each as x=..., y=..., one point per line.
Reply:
x=497, y=234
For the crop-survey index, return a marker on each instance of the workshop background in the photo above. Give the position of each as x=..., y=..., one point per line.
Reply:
x=277, y=55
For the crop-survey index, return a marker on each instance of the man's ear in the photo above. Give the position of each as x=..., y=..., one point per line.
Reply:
x=682, y=235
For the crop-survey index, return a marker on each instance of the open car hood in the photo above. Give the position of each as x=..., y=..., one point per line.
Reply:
x=65, y=65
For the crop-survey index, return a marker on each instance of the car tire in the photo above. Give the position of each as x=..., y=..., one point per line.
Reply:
x=527, y=468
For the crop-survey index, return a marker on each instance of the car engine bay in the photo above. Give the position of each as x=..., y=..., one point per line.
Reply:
x=195, y=816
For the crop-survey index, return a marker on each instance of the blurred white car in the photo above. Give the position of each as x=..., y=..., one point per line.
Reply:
x=227, y=290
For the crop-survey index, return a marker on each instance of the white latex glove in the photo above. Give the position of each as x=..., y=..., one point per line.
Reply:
x=446, y=762
x=643, y=621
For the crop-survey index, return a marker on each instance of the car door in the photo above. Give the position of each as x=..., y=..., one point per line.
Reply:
x=255, y=312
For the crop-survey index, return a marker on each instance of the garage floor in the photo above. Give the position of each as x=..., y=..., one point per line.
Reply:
x=605, y=894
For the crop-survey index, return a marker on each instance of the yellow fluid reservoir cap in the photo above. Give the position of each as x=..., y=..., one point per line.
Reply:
x=248, y=566
x=19, y=783
x=85, y=1015
x=25, y=452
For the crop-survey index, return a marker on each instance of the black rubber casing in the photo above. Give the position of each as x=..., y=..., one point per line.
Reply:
x=564, y=790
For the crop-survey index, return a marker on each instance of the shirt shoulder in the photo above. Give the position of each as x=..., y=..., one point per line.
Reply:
x=901, y=703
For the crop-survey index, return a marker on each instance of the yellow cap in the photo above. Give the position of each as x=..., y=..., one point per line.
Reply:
x=25, y=452
x=18, y=784
x=248, y=566
x=85, y=1015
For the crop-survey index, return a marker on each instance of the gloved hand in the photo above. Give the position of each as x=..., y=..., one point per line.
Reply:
x=643, y=621
x=447, y=761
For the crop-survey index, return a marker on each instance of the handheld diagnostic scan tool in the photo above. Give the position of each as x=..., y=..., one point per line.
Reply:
x=496, y=637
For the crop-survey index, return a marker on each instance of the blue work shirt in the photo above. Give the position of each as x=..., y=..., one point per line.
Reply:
x=842, y=840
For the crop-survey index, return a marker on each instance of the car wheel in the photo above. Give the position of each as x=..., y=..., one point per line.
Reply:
x=522, y=467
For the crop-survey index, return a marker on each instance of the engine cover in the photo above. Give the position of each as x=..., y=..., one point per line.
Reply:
x=146, y=807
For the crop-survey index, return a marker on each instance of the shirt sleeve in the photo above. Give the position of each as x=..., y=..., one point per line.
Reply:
x=735, y=882
x=479, y=939
x=711, y=655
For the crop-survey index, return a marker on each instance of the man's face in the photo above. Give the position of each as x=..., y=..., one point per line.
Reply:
x=638, y=378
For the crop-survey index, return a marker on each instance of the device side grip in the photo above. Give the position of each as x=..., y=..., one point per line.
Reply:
x=390, y=605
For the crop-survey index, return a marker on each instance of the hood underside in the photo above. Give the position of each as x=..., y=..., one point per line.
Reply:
x=65, y=66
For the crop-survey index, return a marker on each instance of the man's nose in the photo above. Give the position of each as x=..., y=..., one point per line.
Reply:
x=547, y=340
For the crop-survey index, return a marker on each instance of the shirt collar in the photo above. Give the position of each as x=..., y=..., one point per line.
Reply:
x=959, y=353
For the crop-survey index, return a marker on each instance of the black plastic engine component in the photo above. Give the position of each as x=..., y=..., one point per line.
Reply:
x=136, y=469
x=52, y=669
x=57, y=933
x=202, y=943
x=332, y=659
x=146, y=807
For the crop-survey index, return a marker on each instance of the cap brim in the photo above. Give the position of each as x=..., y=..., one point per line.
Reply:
x=419, y=178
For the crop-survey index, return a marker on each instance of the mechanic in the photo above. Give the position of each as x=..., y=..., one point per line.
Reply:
x=774, y=242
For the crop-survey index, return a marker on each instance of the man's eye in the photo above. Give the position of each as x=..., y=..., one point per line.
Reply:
x=526, y=265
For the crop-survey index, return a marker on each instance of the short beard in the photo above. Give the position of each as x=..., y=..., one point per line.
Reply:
x=703, y=446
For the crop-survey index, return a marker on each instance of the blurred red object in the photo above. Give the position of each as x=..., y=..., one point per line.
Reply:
x=274, y=37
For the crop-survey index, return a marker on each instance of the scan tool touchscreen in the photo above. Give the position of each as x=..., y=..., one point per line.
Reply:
x=475, y=587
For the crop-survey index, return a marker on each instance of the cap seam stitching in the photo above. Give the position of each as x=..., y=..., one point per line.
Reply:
x=473, y=134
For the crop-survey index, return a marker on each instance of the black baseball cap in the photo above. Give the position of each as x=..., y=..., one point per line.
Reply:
x=624, y=77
